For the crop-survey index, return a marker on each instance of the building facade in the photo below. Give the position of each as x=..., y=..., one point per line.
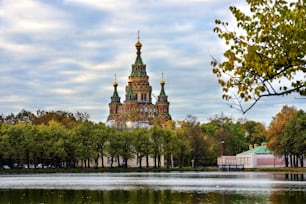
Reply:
x=137, y=110
x=256, y=157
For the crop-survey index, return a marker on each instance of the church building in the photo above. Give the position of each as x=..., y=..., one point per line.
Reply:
x=137, y=110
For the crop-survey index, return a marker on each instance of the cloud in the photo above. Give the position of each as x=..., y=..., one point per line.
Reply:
x=30, y=17
x=104, y=4
x=63, y=55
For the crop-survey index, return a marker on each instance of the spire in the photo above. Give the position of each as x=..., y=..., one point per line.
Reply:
x=138, y=68
x=162, y=95
x=115, y=98
x=115, y=84
x=138, y=46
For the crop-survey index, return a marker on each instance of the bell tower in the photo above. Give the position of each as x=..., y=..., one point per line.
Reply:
x=137, y=110
x=162, y=103
x=115, y=103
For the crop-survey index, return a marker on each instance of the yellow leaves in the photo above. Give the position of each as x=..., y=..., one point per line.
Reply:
x=221, y=82
x=271, y=49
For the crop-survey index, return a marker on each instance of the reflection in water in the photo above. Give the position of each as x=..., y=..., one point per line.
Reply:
x=295, y=177
x=162, y=188
x=148, y=196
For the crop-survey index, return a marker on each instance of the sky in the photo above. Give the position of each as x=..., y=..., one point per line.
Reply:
x=64, y=54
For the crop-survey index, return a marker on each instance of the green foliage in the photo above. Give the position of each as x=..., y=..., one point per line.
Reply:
x=57, y=144
x=294, y=138
x=265, y=55
x=255, y=132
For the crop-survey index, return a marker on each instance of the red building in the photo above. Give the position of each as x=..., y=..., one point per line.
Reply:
x=137, y=110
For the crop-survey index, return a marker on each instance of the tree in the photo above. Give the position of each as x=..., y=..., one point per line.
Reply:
x=255, y=132
x=182, y=147
x=114, y=146
x=63, y=117
x=226, y=137
x=268, y=57
x=156, y=137
x=83, y=134
x=126, y=150
x=54, y=143
x=25, y=116
x=141, y=141
x=275, y=132
x=4, y=143
x=101, y=134
x=191, y=130
x=295, y=137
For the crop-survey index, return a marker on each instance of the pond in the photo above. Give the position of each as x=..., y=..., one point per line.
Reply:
x=170, y=188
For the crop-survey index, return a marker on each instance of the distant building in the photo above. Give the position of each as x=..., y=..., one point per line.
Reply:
x=258, y=156
x=137, y=110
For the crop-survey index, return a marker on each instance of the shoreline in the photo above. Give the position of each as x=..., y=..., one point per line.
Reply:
x=292, y=170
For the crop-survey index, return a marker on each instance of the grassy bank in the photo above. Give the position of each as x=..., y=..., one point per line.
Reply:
x=282, y=169
x=101, y=170
x=118, y=170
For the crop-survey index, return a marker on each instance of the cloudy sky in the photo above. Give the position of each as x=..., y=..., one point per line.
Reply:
x=63, y=55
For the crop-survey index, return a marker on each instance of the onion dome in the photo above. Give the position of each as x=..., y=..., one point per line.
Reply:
x=162, y=82
x=130, y=80
x=115, y=98
x=138, y=45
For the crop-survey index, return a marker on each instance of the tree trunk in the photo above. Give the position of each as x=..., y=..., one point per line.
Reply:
x=140, y=161
x=286, y=160
x=118, y=159
x=155, y=161
x=147, y=160
x=291, y=160
x=125, y=161
x=181, y=160
x=97, y=161
x=102, y=160
x=302, y=161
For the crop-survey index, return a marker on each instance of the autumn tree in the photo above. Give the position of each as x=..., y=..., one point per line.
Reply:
x=191, y=130
x=276, y=129
x=65, y=118
x=265, y=55
x=182, y=148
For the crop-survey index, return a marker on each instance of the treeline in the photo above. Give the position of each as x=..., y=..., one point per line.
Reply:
x=63, y=139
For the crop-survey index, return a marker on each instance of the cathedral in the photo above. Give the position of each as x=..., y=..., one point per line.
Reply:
x=137, y=110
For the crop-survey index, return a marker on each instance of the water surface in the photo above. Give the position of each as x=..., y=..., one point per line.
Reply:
x=173, y=187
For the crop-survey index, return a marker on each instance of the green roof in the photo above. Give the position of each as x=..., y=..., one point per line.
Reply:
x=258, y=150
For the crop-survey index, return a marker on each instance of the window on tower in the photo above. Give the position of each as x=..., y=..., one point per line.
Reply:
x=143, y=97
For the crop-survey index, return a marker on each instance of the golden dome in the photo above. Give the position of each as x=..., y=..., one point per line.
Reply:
x=162, y=82
x=138, y=44
x=130, y=80
x=115, y=83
